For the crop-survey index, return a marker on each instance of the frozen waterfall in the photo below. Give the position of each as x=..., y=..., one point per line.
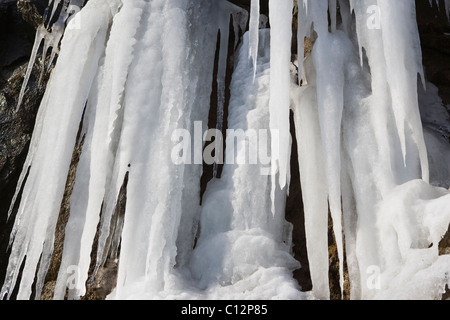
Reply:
x=133, y=81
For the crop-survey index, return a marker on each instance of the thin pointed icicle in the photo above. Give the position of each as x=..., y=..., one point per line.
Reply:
x=254, y=34
x=40, y=35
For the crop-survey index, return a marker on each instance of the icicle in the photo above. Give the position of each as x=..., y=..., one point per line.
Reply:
x=40, y=35
x=404, y=38
x=280, y=58
x=254, y=34
x=330, y=65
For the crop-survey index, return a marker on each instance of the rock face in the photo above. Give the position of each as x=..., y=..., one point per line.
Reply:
x=18, y=21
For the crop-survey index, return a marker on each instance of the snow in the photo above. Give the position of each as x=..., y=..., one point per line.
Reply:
x=373, y=150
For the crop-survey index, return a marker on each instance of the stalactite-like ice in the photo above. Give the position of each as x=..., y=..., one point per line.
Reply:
x=140, y=71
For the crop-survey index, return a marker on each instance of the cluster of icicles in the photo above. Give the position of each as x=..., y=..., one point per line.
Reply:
x=135, y=71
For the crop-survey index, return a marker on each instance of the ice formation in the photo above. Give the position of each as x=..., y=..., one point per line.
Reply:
x=134, y=72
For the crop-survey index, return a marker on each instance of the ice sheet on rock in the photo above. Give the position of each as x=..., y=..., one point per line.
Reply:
x=227, y=259
x=229, y=254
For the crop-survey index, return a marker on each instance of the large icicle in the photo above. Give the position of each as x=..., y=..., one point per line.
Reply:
x=329, y=65
x=314, y=187
x=40, y=35
x=280, y=15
